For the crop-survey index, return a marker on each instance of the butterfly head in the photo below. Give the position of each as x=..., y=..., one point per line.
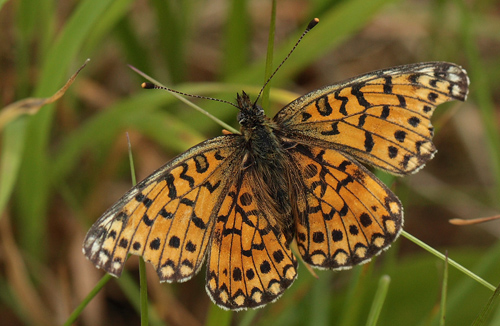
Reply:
x=251, y=114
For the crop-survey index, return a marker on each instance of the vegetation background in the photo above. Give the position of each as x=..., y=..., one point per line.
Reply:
x=63, y=166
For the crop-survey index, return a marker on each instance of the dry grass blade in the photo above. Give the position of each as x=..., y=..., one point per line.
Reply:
x=479, y=220
x=33, y=105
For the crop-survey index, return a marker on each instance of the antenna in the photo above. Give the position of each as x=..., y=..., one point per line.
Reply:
x=154, y=86
x=310, y=26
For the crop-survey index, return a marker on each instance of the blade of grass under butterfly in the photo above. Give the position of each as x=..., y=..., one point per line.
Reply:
x=486, y=266
x=248, y=318
x=378, y=300
x=451, y=261
x=444, y=290
x=352, y=306
x=129, y=287
x=218, y=317
x=76, y=313
x=481, y=319
x=319, y=303
x=143, y=282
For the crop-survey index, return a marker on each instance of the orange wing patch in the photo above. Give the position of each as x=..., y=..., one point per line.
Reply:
x=249, y=263
x=382, y=118
x=351, y=215
x=168, y=218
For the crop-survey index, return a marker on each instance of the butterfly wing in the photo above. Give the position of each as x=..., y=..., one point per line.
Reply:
x=249, y=263
x=350, y=215
x=168, y=218
x=380, y=118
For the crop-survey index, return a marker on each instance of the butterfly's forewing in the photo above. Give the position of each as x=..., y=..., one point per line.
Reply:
x=381, y=118
x=350, y=215
x=249, y=263
x=168, y=217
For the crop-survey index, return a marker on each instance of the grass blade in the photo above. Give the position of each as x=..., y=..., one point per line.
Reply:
x=481, y=319
x=378, y=301
x=444, y=290
x=451, y=261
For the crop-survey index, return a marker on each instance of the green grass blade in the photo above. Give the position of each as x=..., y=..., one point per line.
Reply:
x=378, y=301
x=451, y=261
x=132, y=292
x=467, y=287
x=481, y=319
x=237, y=38
x=172, y=20
x=34, y=182
x=482, y=92
x=113, y=21
x=218, y=317
x=269, y=57
x=144, y=292
x=336, y=24
x=248, y=318
x=143, y=282
x=444, y=291
x=77, y=312
x=10, y=159
x=352, y=305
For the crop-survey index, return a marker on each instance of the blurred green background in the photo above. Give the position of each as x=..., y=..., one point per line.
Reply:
x=62, y=167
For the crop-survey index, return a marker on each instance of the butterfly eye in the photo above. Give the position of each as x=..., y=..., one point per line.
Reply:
x=241, y=118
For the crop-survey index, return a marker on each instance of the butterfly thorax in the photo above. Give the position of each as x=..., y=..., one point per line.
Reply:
x=267, y=163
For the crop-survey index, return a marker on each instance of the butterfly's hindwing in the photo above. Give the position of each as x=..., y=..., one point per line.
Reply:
x=381, y=118
x=249, y=263
x=351, y=215
x=167, y=218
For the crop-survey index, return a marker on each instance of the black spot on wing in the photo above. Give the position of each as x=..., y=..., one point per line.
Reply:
x=369, y=143
x=186, y=177
x=323, y=106
x=356, y=91
x=388, y=85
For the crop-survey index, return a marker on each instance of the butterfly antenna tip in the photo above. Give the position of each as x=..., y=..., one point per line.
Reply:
x=148, y=85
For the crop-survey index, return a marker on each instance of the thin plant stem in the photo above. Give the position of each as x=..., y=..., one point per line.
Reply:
x=453, y=263
x=378, y=300
x=143, y=282
x=76, y=313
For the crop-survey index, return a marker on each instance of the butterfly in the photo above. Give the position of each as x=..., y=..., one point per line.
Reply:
x=239, y=200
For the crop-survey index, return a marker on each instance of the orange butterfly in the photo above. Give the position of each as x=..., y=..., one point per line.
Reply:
x=239, y=200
